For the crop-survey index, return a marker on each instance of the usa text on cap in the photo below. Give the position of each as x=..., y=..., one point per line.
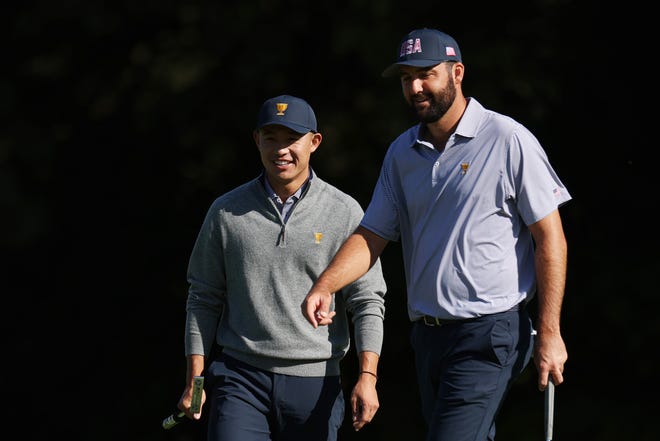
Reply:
x=424, y=48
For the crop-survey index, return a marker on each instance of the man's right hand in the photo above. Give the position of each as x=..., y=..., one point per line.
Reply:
x=316, y=308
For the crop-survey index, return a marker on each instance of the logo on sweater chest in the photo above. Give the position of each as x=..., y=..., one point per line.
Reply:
x=318, y=237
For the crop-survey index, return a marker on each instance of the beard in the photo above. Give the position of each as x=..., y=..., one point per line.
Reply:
x=439, y=103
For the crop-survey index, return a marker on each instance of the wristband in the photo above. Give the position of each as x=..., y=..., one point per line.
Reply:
x=370, y=373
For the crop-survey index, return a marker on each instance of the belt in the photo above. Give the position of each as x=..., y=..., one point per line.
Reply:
x=435, y=321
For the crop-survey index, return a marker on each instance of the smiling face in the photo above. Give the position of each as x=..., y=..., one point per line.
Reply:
x=431, y=91
x=285, y=156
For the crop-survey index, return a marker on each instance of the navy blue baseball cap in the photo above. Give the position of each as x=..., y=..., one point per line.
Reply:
x=424, y=48
x=289, y=111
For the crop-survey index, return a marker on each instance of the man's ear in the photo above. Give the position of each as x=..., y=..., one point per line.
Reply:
x=255, y=136
x=316, y=141
x=459, y=71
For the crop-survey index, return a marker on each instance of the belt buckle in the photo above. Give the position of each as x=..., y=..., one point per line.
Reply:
x=431, y=321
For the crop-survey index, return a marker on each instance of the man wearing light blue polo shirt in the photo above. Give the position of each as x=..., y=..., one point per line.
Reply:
x=474, y=201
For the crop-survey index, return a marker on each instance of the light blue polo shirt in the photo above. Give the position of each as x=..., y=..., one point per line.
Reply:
x=461, y=215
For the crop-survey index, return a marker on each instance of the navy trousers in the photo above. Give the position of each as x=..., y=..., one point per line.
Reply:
x=465, y=370
x=250, y=404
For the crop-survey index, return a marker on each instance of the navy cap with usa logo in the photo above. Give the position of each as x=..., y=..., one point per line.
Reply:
x=289, y=111
x=424, y=48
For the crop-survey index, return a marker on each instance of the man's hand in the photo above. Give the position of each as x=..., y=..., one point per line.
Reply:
x=316, y=308
x=364, y=401
x=549, y=357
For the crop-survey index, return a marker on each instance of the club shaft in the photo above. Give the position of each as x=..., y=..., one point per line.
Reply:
x=173, y=420
x=549, y=410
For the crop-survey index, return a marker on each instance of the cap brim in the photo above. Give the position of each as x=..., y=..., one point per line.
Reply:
x=393, y=69
x=295, y=127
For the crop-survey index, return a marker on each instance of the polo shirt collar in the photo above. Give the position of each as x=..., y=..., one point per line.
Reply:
x=467, y=125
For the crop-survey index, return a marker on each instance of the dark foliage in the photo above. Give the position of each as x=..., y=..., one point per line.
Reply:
x=122, y=121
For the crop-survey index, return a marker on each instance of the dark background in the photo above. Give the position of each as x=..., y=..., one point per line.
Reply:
x=122, y=121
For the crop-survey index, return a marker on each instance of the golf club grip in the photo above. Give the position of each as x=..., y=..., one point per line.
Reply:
x=549, y=409
x=195, y=405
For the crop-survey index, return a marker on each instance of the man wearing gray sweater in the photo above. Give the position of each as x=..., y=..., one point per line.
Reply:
x=259, y=250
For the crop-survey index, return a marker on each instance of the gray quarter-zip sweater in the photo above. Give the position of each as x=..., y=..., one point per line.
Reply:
x=249, y=272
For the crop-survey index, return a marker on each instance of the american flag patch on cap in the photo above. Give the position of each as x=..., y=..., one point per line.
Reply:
x=450, y=51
